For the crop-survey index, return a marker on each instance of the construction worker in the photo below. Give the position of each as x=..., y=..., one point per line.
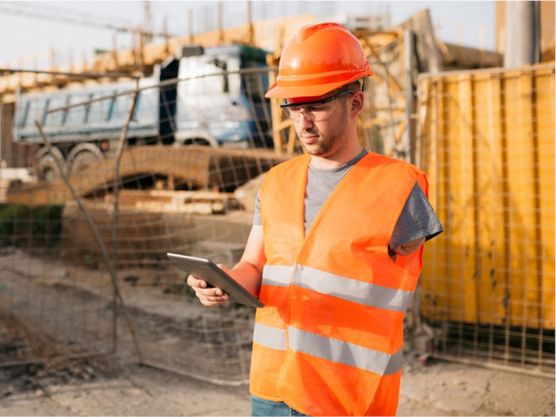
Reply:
x=335, y=248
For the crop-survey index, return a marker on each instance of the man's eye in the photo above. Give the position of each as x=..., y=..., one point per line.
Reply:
x=313, y=109
x=294, y=109
x=316, y=108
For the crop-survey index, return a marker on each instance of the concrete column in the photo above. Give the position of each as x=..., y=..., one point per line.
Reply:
x=521, y=40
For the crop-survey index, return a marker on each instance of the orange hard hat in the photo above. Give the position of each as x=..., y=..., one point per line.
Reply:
x=320, y=59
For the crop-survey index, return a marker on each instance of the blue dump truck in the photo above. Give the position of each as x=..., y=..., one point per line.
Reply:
x=212, y=96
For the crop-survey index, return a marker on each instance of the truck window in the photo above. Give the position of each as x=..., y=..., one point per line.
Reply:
x=23, y=113
x=55, y=118
x=120, y=108
x=76, y=115
x=36, y=111
x=98, y=110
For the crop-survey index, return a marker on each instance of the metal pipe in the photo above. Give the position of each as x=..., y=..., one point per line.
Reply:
x=177, y=371
x=93, y=75
x=491, y=365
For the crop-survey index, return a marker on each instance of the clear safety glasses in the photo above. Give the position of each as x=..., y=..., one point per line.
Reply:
x=312, y=110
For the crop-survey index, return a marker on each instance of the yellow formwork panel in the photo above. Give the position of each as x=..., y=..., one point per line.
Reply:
x=491, y=266
x=521, y=179
x=434, y=292
x=487, y=145
x=545, y=143
x=464, y=202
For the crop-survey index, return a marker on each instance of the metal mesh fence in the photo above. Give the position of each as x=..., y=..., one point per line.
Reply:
x=488, y=148
x=130, y=171
x=136, y=156
x=45, y=313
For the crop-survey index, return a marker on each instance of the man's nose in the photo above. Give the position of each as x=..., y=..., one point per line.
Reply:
x=305, y=120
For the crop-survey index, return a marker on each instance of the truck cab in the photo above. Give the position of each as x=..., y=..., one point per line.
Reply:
x=221, y=98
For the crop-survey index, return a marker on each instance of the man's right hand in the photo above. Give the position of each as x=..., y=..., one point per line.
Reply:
x=208, y=296
x=247, y=272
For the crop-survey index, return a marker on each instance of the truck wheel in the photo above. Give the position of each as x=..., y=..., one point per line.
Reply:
x=196, y=141
x=46, y=164
x=83, y=156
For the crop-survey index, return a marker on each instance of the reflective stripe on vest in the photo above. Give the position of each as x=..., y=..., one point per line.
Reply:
x=277, y=275
x=269, y=337
x=338, y=286
x=345, y=353
x=330, y=349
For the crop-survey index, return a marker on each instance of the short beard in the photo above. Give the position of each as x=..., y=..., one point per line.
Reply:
x=329, y=144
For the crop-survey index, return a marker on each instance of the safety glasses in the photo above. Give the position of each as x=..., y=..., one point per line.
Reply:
x=312, y=110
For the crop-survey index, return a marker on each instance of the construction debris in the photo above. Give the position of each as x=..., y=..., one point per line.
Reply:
x=197, y=167
x=11, y=178
x=247, y=193
x=179, y=202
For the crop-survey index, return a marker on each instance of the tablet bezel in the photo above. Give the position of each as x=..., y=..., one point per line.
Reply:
x=208, y=271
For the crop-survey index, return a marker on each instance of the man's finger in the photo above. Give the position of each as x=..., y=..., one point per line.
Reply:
x=196, y=282
x=207, y=292
x=191, y=280
x=209, y=302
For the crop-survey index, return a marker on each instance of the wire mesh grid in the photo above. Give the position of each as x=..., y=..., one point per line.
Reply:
x=213, y=346
x=45, y=315
x=487, y=285
x=135, y=155
x=488, y=282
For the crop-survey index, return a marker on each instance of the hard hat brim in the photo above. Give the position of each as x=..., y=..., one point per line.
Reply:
x=318, y=90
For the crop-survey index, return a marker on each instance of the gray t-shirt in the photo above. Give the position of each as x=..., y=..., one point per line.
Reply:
x=417, y=219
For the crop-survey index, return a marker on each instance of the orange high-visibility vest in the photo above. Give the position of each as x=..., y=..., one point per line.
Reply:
x=329, y=339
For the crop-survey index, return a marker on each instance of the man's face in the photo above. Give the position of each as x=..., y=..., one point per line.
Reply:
x=321, y=128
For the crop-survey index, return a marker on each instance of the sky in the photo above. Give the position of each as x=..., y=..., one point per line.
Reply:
x=34, y=28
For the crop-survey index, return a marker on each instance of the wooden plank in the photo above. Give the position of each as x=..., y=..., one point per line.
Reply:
x=459, y=56
x=465, y=206
x=427, y=46
x=433, y=282
x=392, y=81
x=443, y=186
x=438, y=270
x=544, y=116
x=521, y=194
x=490, y=201
x=546, y=14
x=530, y=206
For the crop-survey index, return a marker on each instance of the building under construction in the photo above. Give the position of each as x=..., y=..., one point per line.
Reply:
x=108, y=165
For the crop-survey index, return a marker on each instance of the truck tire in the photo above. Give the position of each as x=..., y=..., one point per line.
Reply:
x=197, y=141
x=83, y=156
x=47, y=164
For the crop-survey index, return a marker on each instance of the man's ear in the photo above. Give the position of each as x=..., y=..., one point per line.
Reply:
x=357, y=103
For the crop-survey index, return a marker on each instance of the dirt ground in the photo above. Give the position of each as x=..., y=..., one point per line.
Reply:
x=436, y=389
x=116, y=384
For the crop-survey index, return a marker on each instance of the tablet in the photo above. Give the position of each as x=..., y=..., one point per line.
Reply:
x=209, y=272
